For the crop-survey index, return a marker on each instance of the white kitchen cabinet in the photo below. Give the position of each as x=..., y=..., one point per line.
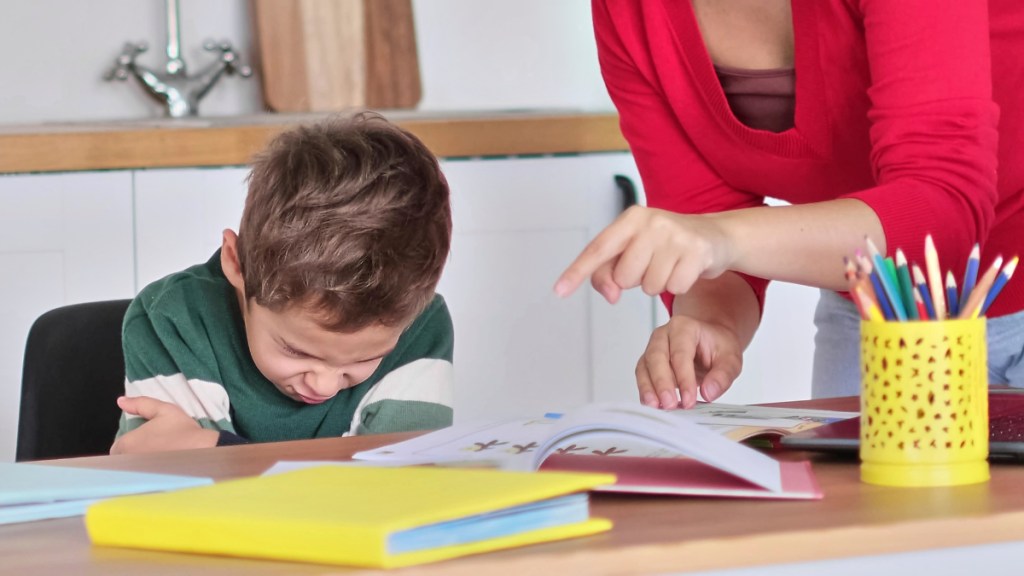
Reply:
x=519, y=349
x=180, y=215
x=517, y=223
x=64, y=239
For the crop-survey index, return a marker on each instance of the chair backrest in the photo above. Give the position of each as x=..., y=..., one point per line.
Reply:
x=73, y=374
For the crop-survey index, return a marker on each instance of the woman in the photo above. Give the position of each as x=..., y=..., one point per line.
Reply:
x=890, y=120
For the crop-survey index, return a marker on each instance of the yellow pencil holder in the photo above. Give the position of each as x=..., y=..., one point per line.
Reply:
x=924, y=403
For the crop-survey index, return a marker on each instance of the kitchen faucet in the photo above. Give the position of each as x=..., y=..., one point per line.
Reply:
x=174, y=88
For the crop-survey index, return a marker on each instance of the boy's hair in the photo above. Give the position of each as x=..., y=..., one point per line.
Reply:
x=347, y=218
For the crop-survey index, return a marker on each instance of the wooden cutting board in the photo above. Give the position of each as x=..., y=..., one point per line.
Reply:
x=325, y=55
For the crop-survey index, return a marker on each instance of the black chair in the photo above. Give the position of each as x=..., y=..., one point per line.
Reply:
x=73, y=374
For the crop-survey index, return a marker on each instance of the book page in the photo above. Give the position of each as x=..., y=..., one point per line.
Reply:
x=663, y=429
x=739, y=422
x=620, y=429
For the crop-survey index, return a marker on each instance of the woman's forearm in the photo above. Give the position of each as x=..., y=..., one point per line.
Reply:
x=800, y=244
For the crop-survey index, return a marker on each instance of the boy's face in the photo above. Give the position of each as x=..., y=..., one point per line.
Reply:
x=306, y=362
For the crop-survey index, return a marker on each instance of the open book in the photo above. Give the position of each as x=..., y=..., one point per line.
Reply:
x=682, y=452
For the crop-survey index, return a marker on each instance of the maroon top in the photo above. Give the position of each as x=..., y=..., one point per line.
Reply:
x=760, y=99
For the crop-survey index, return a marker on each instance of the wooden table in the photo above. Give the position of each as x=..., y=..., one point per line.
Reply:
x=651, y=534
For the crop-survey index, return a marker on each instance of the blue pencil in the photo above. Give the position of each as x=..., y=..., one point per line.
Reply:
x=970, y=276
x=954, y=303
x=876, y=283
x=922, y=287
x=997, y=286
x=889, y=282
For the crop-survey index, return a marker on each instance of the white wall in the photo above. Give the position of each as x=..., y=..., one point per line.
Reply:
x=474, y=54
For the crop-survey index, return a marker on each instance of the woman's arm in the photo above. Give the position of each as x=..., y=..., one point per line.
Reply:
x=802, y=244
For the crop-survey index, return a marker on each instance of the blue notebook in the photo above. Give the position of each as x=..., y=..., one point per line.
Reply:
x=37, y=492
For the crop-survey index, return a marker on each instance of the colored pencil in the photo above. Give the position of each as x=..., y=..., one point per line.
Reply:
x=866, y=294
x=888, y=279
x=922, y=289
x=894, y=281
x=970, y=275
x=873, y=313
x=876, y=283
x=864, y=281
x=864, y=275
x=906, y=285
x=851, y=280
x=951, y=297
x=998, y=285
x=981, y=289
x=922, y=312
x=931, y=260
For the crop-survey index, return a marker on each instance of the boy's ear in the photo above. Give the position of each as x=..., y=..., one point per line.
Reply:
x=229, y=260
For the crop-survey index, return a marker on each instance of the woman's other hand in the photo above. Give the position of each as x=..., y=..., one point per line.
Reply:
x=685, y=355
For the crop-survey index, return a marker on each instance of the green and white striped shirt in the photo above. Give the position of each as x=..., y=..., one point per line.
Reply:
x=184, y=342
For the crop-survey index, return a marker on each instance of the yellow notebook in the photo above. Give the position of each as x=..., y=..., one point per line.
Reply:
x=360, y=516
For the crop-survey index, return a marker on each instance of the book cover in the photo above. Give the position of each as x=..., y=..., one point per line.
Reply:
x=359, y=516
x=682, y=452
x=37, y=492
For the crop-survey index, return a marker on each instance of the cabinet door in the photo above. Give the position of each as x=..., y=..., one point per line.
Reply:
x=180, y=215
x=64, y=239
x=520, y=350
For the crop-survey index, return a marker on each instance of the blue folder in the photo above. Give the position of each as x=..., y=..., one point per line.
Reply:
x=37, y=491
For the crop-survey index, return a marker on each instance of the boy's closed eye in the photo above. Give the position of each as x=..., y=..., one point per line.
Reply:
x=296, y=353
x=293, y=352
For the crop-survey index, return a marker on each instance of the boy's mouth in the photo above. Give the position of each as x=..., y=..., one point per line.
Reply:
x=309, y=400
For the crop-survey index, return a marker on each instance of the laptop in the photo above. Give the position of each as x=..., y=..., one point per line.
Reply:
x=1005, y=425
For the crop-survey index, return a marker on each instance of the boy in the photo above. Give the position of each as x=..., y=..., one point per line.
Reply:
x=317, y=319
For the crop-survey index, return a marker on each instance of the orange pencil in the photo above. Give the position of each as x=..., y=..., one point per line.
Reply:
x=864, y=277
x=973, y=306
x=851, y=280
x=871, y=309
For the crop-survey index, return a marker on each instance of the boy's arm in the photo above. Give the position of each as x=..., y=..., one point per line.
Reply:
x=417, y=392
x=167, y=370
x=166, y=427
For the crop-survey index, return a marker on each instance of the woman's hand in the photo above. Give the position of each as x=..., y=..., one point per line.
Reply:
x=686, y=354
x=659, y=251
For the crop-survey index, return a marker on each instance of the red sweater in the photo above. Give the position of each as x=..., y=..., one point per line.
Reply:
x=897, y=105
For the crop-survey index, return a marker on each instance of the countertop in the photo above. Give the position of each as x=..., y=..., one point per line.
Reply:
x=228, y=141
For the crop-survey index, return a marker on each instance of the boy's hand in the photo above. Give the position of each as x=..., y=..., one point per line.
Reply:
x=686, y=354
x=168, y=428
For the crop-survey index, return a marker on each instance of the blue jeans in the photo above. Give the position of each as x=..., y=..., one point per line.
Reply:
x=837, y=348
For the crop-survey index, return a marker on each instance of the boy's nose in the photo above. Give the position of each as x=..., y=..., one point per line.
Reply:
x=324, y=383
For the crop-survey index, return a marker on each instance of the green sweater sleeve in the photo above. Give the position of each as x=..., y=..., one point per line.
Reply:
x=161, y=363
x=417, y=390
